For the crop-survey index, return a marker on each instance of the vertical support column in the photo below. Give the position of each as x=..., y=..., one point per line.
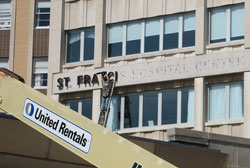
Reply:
x=246, y=125
x=21, y=39
x=56, y=42
x=30, y=49
x=199, y=110
x=100, y=33
x=96, y=105
x=247, y=24
x=201, y=26
x=12, y=35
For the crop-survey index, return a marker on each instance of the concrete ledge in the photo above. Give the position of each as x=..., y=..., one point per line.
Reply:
x=199, y=137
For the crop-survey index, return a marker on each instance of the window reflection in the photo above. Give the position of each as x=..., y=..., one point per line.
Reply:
x=87, y=108
x=131, y=111
x=169, y=107
x=150, y=109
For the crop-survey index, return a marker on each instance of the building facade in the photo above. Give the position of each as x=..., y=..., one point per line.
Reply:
x=176, y=63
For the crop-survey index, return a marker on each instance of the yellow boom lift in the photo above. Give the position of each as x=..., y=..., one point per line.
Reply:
x=92, y=142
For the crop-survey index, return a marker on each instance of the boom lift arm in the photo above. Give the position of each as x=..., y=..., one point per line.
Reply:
x=75, y=132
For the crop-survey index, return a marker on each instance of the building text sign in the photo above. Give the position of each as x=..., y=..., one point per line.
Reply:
x=173, y=69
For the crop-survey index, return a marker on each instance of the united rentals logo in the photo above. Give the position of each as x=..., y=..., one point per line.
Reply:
x=57, y=125
x=136, y=165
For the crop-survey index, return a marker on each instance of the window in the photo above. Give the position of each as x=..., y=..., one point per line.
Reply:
x=83, y=107
x=152, y=36
x=113, y=121
x=178, y=106
x=4, y=63
x=40, y=73
x=131, y=111
x=150, y=109
x=133, y=44
x=158, y=108
x=87, y=108
x=226, y=101
x=42, y=13
x=5, y=13
x=170, y=32
x=227, y=23
x=169, y=107
x=115, y=40
x=73, y=105
x=80, y=45
x=188, y=30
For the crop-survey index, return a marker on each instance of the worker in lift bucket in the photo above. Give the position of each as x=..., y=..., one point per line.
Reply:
x=107, y=85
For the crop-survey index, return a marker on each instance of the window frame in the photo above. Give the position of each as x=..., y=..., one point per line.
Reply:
x=227, y=102
x=228, y=18
x=38, y=13
x=82, y=42
x=43, y=72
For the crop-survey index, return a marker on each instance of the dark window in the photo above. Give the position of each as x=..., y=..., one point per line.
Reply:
x=133, y=44
x=115, y=41
x=73, y=50
x=152, y=36
x=73, y=104
x=169, y=107
x=150, y=109
x=87, y=108
x=131, y=112
x=171, y=29
x=188, y=30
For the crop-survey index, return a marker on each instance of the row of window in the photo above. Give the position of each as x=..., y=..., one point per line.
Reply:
x=42, y=14
x=175, y=31
x=165, y=33
x=225, y=102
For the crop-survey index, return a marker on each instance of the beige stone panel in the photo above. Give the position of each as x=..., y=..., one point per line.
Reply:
x=201, y=27
x=189, y=5
x=247, y=24
x=96, y=105
x=76, y=16
x=56, y=42
x=21, y=37
x=246, y=125
x=155, y=8
x=237, y=130
x=152, y=135
x=240, y=1
x=90, y=13
x=216, y=129
x=216, y=3
x=173, y=6
x=135, y=9
x=118, y=10
x=199, y=113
